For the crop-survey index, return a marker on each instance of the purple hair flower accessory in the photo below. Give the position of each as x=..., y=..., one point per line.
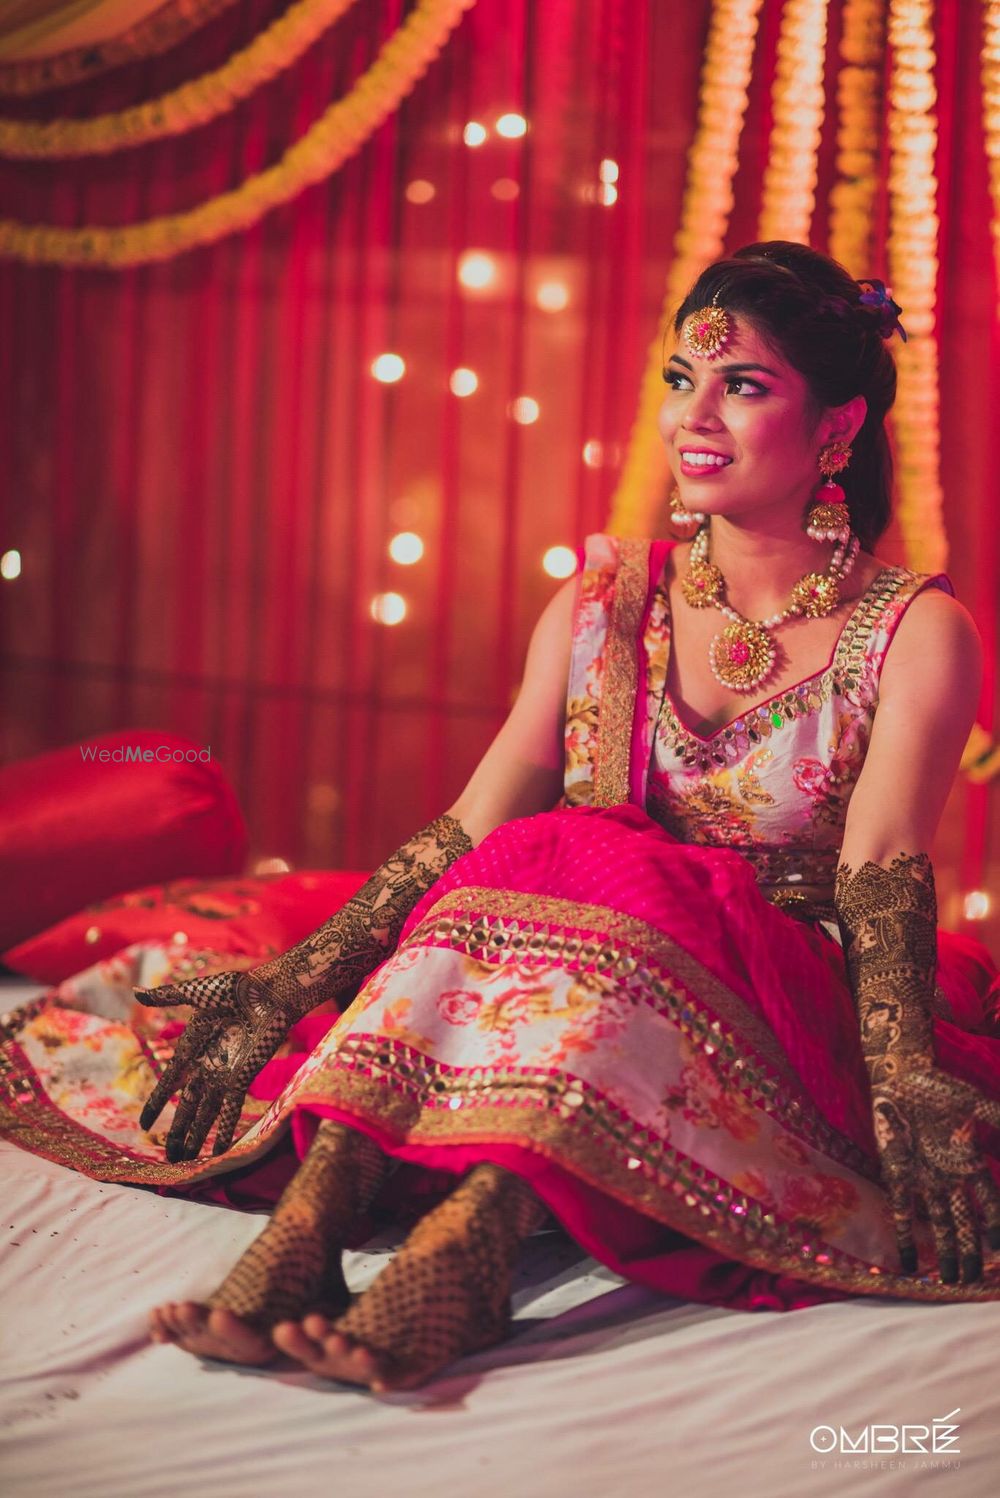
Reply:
x=876, y=294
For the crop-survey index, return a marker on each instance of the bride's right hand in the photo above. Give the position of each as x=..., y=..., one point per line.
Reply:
x=236, y=1027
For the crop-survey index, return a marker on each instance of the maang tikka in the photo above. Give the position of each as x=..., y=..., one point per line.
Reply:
x=706, y=333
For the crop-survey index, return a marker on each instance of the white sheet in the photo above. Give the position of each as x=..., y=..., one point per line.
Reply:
x=605, y=1389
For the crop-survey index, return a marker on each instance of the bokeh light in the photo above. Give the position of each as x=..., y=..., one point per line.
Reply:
x=977, y=905
x=406, y=547
x=476, y=270
x=388, y=368
x=512, y=126
x=474, y=133
x=10, y=565
x=388, y=608
x=552, y=296
x=505, y=189
x=559, y=561
x=525, y=410
x=463, y=381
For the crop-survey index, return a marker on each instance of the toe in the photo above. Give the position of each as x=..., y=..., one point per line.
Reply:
x=236, y=1339
x=290, y=1337
x=316, y=1326
x=159, y=1328
x=188, y=1317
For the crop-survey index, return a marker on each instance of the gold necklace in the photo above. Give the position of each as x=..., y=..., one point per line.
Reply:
x=743, y=655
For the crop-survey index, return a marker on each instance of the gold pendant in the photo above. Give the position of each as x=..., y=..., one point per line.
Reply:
x=815, y=594
x=742, y=656
x=702, y=584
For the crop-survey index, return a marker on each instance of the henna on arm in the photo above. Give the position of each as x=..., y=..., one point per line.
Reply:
x=924, y=1119
x=241, y=1018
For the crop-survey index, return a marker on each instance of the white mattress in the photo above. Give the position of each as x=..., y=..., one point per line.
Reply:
x=606, y=1388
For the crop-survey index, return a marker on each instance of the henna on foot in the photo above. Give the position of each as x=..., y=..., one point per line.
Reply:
x=294, y=1265
x=444, y=1294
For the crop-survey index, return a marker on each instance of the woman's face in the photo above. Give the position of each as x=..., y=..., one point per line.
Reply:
x=749, y=407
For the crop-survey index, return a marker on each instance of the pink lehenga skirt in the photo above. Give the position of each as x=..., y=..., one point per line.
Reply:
x=622, y=1019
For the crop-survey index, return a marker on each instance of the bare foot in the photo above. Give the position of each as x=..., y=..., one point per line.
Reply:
x=286, y=1271
x=445, y=1293
x=210, y=1332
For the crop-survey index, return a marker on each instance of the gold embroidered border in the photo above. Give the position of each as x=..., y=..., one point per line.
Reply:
x=620, y=679
x=562, y=1120
x=542, y=1113
x=713, y=1018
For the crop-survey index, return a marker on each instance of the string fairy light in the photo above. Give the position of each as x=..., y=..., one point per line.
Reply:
x=789, y=190
x=913, y=270
x=859, y=103
x=991, y=117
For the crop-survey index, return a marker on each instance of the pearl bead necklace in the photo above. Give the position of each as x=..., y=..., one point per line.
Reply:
x=744, y=655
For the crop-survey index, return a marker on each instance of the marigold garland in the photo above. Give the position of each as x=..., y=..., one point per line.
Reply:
x=859, y=101
x=991, y=116
x=155, y=33
x=340, y=131
x=708, y=202
x=913, y=270
x=185, y=108
x=789, y=194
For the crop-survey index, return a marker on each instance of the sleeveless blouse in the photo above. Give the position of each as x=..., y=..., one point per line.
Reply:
x=774, y=784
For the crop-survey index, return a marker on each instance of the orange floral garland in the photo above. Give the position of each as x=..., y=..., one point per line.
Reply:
x=859, y=100
x=169, y=24
x=991, y=116
x=789, y=194
x=340, y=131
x=195, y=103
x=913, y=270
x=708, y=202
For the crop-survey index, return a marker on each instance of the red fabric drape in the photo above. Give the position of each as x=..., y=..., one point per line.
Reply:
x=202, y=475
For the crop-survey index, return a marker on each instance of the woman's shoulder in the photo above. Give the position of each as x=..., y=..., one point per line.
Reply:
x=936, y=645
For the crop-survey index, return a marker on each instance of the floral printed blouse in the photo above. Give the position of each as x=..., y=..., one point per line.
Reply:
x=773, y=784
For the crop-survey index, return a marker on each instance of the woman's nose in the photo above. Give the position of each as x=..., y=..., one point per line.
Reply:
x=702, y=412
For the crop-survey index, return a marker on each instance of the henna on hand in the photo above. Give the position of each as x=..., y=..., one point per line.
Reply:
x=241, y=1018
x=924, y=1118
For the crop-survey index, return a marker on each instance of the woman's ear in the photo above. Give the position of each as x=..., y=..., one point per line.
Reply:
x=843, y=423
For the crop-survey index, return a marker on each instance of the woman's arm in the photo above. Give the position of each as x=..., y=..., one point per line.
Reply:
x=928, y=692
x=241, y=1018
x=887, y=908
x=522, y=771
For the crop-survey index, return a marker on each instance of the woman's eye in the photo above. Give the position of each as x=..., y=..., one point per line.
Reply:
x=741, y=386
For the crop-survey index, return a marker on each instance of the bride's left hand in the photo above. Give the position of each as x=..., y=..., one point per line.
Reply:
x=925, y=1128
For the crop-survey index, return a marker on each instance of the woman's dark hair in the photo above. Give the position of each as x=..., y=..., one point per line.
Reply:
x=808, y=308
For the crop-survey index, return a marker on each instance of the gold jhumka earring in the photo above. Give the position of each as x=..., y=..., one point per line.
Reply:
x=827, y=518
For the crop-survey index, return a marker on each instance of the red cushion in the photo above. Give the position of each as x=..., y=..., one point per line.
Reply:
x=256, y=916
x=75, y=827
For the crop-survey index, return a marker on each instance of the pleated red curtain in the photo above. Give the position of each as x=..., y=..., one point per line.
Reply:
x=202, y=474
